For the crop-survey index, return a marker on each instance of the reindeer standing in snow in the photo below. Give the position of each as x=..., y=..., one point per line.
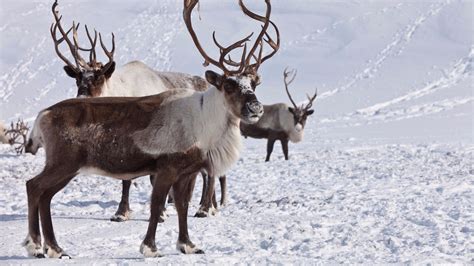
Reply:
x=76, y=135
x=281, y=122
x=134, y=79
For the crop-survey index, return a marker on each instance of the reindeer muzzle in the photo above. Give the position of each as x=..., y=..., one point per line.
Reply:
x=253, y=111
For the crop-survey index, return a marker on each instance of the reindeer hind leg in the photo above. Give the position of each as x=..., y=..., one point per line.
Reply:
x=51, y=247
x=123, y=212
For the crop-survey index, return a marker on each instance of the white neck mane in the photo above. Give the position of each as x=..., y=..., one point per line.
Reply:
x=219, y=135
x=194, y=119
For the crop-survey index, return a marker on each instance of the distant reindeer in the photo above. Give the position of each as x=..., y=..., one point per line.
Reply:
x=3, y=138
x=166, y=135
x=17, y=134
x=281, y=122
x=94, y=79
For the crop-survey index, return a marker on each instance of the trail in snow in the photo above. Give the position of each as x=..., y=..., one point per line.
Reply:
x=382, y=112
x=394, y=48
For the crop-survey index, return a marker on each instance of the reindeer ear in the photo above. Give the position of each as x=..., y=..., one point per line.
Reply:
x=310, y=112
x=70, y=72
x=214, y=79
x=291, y=109
x=110, y=70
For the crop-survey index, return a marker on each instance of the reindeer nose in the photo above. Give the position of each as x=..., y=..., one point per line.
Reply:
x=255, y=107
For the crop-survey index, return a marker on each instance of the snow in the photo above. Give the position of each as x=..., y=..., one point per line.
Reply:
x=385, y=171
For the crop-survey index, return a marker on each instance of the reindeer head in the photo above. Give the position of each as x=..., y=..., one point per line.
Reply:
x=301, y=112
x=90, y=76
x=240, y=79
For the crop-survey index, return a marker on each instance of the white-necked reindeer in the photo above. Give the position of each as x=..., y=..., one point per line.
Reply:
x=208, y=197
x=94, y=79
x=166, y=135
x=281, y=122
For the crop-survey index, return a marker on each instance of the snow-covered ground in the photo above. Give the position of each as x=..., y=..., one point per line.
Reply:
x=385, y=172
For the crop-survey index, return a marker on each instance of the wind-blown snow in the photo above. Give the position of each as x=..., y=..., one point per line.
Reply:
x=384, y=174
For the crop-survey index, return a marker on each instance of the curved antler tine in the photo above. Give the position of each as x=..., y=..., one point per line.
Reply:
x=187, y=10
x=92, y=54
x=292, y=75
x=264, y=28
x=216, y=42
x=266, y=20
x=79, y=60
x=109, y=54
x=311, y=99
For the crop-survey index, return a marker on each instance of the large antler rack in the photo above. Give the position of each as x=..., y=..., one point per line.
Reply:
x=74, y=47
x=288, y=78
x=225, y=63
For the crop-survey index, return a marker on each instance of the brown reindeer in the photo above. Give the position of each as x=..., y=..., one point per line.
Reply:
x=95, y=79
x=166, y=135
x=280, y=121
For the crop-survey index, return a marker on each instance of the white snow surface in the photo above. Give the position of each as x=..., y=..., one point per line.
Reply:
x=383, y=175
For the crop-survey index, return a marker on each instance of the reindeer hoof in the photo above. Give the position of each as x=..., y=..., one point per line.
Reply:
x=33, y=249
x=201, y=214
x=55, y=252
x=189, y=248
x=65, y=257
x=119, y=218
x=149, y=252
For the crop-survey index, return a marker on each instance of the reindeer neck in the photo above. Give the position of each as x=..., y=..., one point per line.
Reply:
x=218, y=134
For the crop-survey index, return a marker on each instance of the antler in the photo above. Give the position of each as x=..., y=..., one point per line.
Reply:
x=17, y=135
x=244, y=63
x=288, y=77
x=266, y=21
x=74, y=44
x=311, y=99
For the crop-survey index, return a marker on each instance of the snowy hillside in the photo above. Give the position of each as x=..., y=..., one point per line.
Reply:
x=384, y=174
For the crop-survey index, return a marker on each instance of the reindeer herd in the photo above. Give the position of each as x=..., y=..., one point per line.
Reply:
x=133, y=121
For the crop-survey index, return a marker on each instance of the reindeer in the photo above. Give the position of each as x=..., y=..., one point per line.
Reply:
x=208, y=198
x=98, y=135
x=3, y=138
x=280, y=121
x=95, y=79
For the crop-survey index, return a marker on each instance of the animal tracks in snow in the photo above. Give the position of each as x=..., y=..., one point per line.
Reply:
x=394, y=48
x=382, y=111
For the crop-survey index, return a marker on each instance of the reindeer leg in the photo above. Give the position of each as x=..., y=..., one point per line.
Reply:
x=41, y=190
x=51, y=247
x=284, y=145
x=32, y=242
x=223, y=182
x=204, y=187
x=270, y=144
x=163, y=214
x=158, y=200
x=182, y=192
x=206, y=207
x=123, y=212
